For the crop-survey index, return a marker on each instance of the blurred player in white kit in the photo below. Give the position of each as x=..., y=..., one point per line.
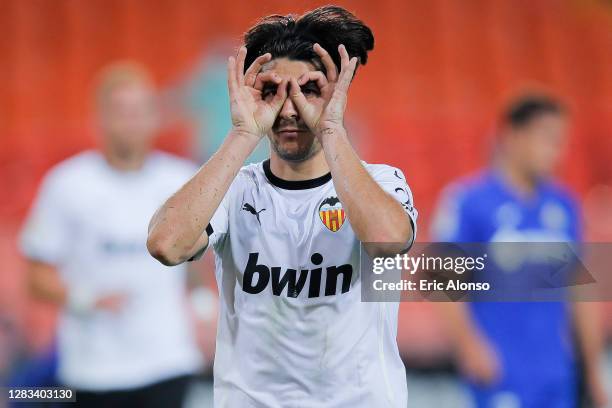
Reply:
x=125, y=337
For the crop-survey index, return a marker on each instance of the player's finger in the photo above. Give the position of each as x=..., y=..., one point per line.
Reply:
x=296, y=95
x=344, y=56
x=328, y=63
x=346, y=76
x=281, y=95
x=242, y=52
x=317, y=76
x=253, y=70
x=231, y=77
x=266, y=77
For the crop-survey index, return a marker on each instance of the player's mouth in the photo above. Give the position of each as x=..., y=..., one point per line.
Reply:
x=289, y=132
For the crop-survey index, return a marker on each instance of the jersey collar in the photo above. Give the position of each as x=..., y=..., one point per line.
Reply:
x=294, y=184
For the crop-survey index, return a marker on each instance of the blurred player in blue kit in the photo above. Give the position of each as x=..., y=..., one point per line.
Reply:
x=521, y=354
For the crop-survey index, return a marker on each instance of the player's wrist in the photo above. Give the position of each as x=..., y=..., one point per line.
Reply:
x=245, y=135
x=467, y=341
x=593, y=367
x=329, y=131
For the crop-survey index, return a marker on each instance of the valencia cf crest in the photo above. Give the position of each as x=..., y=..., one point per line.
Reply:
x=332, y=214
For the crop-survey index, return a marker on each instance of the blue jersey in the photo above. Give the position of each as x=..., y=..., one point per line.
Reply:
x=533, y=339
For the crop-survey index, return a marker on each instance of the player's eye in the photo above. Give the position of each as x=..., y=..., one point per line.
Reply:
x=310, y=88
x=268, y=91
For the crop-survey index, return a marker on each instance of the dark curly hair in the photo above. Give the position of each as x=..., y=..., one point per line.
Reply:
x=293, y=36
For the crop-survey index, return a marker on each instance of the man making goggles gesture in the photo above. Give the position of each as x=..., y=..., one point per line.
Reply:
x=287, y=232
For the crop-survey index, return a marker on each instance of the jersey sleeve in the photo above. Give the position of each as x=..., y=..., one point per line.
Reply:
x=392, y=181
x=575, y=227
x=47, y=233
x=451, y=221
x=218, y=227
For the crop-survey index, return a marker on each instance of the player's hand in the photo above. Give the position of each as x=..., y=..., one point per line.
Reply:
x=597, y=390
x=324, y=111
x=251, y=113
x=113, y=303
x=478, y=361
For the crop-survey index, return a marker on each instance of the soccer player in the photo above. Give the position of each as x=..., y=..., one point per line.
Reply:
x=287, y=232
x=521, y=354
x=124, y=335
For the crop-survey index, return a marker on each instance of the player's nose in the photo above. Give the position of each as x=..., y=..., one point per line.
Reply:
x=288, y=111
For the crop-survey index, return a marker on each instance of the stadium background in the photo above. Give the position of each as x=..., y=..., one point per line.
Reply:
x=426, y=102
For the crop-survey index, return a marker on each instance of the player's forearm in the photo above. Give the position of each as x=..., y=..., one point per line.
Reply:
x=177, y=226
x=44, y=283
x=589, y=333
x=460, y=326
x=362, y=197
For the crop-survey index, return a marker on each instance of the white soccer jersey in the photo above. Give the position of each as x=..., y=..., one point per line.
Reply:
x=293, y=331
x=91, y=220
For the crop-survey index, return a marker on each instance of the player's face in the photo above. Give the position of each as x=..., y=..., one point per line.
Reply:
x=128, y=118
x=289, y=137
x=543, y=143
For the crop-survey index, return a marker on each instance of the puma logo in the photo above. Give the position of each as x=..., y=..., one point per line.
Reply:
x=248, y=207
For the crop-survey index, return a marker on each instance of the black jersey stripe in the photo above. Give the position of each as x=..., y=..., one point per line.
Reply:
x=294, y=184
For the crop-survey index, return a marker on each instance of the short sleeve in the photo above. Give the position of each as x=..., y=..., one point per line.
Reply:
x=219, y=224
x=574, y=225
x=218, y=227
x=47, y=233
x=451, y=220
x=392, y=181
